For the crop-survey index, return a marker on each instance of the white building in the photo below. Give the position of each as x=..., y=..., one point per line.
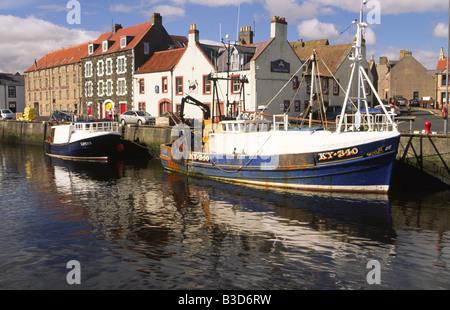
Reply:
x=168, y=76
x=12, y=92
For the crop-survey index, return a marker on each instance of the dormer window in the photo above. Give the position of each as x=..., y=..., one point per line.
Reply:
x=91, y=49
x=123, y=42
x=105, y=46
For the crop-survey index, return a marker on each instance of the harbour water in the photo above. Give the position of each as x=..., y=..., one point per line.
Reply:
x=131, y=225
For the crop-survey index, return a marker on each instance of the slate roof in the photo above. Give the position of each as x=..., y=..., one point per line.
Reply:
x=12, y=79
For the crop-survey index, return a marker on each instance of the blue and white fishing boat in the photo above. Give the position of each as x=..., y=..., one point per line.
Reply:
x=356, y=155
x=87, y=141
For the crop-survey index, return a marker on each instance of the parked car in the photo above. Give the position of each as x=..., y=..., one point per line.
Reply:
x=414, y=103
x=402, y=102
x=136, y=117
x=388, y=107
x=61, y=116
x=7, y=114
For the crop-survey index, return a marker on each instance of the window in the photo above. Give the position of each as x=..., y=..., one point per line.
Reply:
x=88, y=69
x=297, y=105
x=141, y=106
x=123, y=42
x=11, y=91
x=295, y=83
x=109, y=88
x=121, y=64
x=146, y=48
x=100, y=68
x=286, y=104
x=105, y=46
x=165, y=84
x=325, y=86
x=179, y=85
x=141, y=86
x=101, y=88
x=89, y=89
x=235, y=84
x=206, y=85
x=121, y=87
x=336, y=88
x=91, y=49
x=109, y=68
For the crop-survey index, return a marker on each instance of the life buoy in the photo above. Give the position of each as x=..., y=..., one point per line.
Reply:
x=443, y=111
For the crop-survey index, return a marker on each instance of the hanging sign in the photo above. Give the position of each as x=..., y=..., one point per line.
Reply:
x=280, y=66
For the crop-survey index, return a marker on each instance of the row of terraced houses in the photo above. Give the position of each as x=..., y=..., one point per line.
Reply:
x=142, y=67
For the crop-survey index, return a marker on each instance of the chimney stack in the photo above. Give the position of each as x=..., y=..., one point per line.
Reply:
x=157, y=19
x=246, y=36
x=404, y=53
x=117, y=27
x=278, y=28
x=193, y=35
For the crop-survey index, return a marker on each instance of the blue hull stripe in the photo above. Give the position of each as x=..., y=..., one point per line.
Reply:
x=360, y=168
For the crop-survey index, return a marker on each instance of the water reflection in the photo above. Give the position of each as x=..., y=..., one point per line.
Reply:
x=158, y=230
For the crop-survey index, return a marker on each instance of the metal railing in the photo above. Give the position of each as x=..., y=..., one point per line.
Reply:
x=367, y=122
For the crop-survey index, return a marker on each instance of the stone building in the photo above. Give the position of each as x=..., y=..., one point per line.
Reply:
x=170, y=75
x=405, y=78
x=334, y=67
x=54, y=82
x=111, y=60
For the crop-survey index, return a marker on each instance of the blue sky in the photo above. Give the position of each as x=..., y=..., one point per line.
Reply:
x=37, y=27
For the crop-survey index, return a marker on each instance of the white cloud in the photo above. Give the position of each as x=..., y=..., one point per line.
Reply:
x=370, y=36
x=120, y=8
x=440, y=31
x=391, y=7
x=31, y=38
x=313, y=29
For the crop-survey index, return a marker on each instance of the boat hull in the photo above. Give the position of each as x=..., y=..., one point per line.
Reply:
x=99, y=148
x=359, y=168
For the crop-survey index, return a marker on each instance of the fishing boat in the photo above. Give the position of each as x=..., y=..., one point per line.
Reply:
x=84, y=140
x=357, y=154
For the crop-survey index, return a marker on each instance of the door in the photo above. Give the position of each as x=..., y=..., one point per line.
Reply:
x=164, y=107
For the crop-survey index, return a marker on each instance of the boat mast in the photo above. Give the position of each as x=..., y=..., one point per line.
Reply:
x=362, y=77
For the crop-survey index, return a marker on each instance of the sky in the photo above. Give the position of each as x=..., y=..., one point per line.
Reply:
x=30, y=28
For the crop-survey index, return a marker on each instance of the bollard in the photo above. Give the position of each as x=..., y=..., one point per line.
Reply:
x=427, y=128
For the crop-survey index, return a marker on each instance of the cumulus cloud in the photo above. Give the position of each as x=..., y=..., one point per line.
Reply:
x=390, y=6
x=20, y=46
x=314, y=29
x=440, y=31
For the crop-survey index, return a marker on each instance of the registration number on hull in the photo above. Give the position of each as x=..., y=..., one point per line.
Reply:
x=339, y=154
